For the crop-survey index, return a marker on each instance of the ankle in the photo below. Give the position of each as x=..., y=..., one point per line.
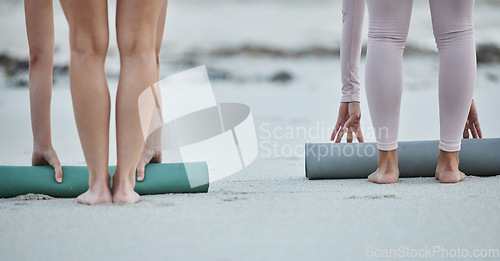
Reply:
x=448, y=159
x=388, y=159
x=123, y=180
x=448, y=154
x=99, y=181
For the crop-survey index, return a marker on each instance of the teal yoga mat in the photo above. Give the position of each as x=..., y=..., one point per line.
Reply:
x=159, y=179
x=478, y=157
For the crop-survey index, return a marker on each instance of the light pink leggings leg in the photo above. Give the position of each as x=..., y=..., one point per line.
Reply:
x=454, y=34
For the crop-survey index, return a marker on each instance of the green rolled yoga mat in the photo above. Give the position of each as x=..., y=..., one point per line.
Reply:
x=159, y=179
x=478, y=157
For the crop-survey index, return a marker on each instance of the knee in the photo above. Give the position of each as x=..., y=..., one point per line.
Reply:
x=137, y=48
x=89, y=47
x=457, y=35
x=41, y=57
x=392, y=38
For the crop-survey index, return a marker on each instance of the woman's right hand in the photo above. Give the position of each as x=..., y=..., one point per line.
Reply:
x=348, y=121
x=149, y=155
x=47, y=157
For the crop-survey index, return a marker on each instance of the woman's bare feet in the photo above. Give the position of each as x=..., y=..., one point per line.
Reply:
x=123, y=189
x=99, y=192
x=387, y=171
x=447, y=168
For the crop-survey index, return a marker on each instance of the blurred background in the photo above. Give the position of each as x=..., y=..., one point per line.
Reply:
x=280, y=57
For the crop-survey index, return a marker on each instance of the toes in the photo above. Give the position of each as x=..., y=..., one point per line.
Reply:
x=450, y=178
x=137, y=198
x=88, y=198
x=128, y=198
x=373, y=177
x=383, y=178
x=82, y=199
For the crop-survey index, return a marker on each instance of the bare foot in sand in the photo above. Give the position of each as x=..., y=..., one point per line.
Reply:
x=387, y=171
x=98, y=193
x=123, y=189
x=447, y=168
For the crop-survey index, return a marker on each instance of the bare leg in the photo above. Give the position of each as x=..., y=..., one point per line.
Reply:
x=136, y=26
x=160, y=28
x=152, y=149
x=40, y=30
x=88, y=23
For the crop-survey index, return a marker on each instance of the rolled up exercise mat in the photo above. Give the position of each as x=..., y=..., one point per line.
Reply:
x=159, y=179
x=478, y=157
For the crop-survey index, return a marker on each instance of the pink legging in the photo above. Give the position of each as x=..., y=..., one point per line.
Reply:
x=389, y=21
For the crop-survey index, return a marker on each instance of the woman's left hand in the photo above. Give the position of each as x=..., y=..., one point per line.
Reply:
x=472, y=123
x=348, y=121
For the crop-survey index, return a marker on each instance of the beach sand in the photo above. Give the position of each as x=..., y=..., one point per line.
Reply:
x=266, y=212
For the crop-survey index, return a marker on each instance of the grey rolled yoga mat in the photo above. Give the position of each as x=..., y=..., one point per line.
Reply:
x=159, y=179
x=478, y=157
